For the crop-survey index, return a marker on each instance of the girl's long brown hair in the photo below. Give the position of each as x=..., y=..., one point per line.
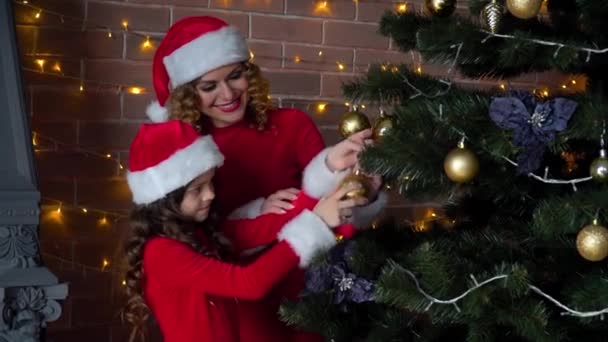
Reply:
x=160, y=218
x=183, y=103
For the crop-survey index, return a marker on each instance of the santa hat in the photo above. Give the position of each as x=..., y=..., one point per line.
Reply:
x=192, y=47
x=166, y=156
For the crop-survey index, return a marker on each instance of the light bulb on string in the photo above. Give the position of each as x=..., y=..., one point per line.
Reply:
x=84, y=210
x=402, y=8
x=105, y=263
x=103, y=221
x=125, y=24
x=38, y=14
x=146, y=44
x=321, y=107
x=57, y=67
x=340, y=66
x=297, y=59
x=41, y=63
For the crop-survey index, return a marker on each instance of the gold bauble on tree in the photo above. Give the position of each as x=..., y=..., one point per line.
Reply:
x=592, y=242
x=599, y=167
x=359, y=179
x=353, y=122
x=491, y=16
x=440, y=8
x=524, y=9
x=461, y=165
x=382, y=126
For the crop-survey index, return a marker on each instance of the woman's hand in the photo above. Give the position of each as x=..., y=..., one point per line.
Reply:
x=343, y=155
x=280, y=201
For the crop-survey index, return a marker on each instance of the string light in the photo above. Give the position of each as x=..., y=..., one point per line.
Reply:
x=40, y=63
x=103, y=221
x=573, y=81
x=383, y=67
x=109, y=34
x=81, y=88
x=84, y=210
x=123, y=283
x=320, y=53
x=297, y=59
x=347, y=104
x=402, y=8
x=146, y=44
x=419, y=69
x=136, y=90
x=503, y=86
x=57, y=67
x=38, y=14
x=340, y=66
x=125, y=25
x=251, y=55
x=58, y=211
x=321, y=107
x=105, y=263
x=34, y=141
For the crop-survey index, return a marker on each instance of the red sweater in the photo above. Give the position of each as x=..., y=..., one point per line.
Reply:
x=257, y=164
x=193, y=296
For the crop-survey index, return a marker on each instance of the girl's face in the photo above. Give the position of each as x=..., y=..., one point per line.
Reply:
x=198, y=197
x=223, y=94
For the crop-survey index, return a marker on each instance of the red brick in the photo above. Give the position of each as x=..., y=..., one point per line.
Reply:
x=323, y=118
x=68, y=9
x=120, y=73
x=364, y=58
x=373, y=10
x=310, y=59
x=60, y=164
x=268, y=55
x=84, y=282
x=287, y=29
x=354, y=35
x=107, y=194
x=62, y=190
x=240, y=20
x=26, y=39
x=83, y=316
x=273, y=6
x=332, y=9
x=97, y=44
x=34, y=75
x=79, y=334
x=58, y=42
x=139, y=18
x=293, y=83
x=332, y=84
x=62, y=133
x=330, y=135
x=141, y=48
x=75, y=105
x=191, y=3
x=56, y=247
x=134, y=106
x=107, y=135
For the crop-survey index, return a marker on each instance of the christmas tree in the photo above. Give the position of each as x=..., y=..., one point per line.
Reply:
x=518, y=251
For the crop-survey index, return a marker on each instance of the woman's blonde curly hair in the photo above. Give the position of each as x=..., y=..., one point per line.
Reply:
x=183, y=102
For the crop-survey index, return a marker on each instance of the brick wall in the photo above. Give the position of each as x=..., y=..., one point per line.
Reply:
x=77, y=128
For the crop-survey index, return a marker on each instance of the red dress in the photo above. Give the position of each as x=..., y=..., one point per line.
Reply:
x=257, y=164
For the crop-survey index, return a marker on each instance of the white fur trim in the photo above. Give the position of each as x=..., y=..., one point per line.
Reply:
x=156, y=113
x=178, y=170
x=307, y=235
x=205, y=53
x=365, y=215
x=250, y=210
x=318, y=180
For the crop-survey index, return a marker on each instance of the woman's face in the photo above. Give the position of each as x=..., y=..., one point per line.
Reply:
x=223, y=94
x=198, y=197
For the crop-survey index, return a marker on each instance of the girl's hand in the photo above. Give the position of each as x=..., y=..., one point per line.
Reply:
x=343, y=155
x=280, y=201
x=336, y=211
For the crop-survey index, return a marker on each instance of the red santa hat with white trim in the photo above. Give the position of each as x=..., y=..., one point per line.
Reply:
x=166, y=156
x=192, y=47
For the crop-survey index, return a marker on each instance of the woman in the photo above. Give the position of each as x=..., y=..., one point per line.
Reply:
x=202, y=75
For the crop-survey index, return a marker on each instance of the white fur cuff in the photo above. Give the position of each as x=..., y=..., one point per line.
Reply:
x=307, y=235
x=318, y=179
x=250, y=210
x=365, y=215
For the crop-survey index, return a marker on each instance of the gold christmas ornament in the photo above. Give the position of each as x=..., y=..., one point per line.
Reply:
x=440, y=8
x=358, y=179
x=382, y=126
x=353, y=122
x=491, y=16
x=592, y=242
x=524, y=9
x=599, y=167
x=461, y=165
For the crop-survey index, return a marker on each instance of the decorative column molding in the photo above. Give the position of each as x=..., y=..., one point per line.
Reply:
x=29, y=292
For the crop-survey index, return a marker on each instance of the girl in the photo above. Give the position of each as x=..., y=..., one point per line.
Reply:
x=175, y=254
x=202, y=75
